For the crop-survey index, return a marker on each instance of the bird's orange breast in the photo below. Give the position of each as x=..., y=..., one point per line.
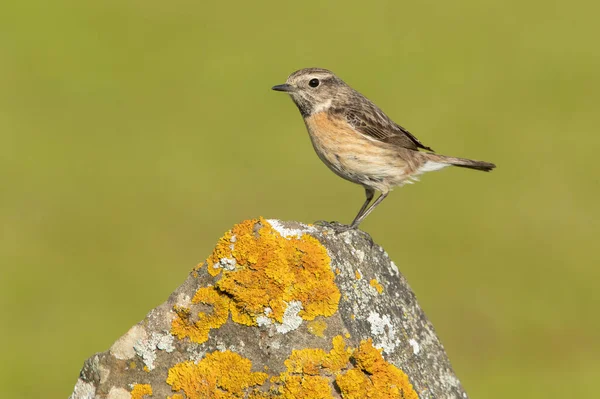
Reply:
x=352, y=155
x=328, y=128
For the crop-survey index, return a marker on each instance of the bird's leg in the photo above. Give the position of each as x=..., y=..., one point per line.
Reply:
x=362, y=215
x=370, y=193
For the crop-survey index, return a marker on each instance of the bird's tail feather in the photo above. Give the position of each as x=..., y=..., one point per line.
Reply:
x=462, y=162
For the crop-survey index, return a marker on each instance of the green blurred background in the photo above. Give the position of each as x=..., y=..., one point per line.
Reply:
x=134, y=133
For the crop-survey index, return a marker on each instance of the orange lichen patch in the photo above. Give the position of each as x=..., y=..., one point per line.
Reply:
x=375, y=284
x=220, y=375
x=146, y=369
x=275, y=379
x=305, y=361
x=266, y=270
x=337, y=270
x=139, y=390
x=317, y=327
x=357, y=275
x=338, y=357
x=220, y=303
x=310, y=374
x=182, y=326
x=314, y=361
x=309, y=371
x=260, y=395
x=240, y=316
x=373, y=377
x=305, y=387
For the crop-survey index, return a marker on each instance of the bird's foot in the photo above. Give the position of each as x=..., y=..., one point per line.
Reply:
x=323, y=223
x=339, y=228
x=335, y=226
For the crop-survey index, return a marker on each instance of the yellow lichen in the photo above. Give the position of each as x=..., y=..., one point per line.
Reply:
x=305, y=361
x=182, y=326
x=220, y=375
x=375, y=284
x=317, y=327
x=132, y=365
x=338, y=357
x=260, y=395
x=310, y=374
x=265, y=272
x=373, y=377
x=176, y=396
x=146, y=369
x=314, y=361
x=139, y=390
x=357, y=275
x=305, y=387
x=271, y=271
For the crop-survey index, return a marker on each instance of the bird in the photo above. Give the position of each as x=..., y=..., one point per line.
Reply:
x=358, y=141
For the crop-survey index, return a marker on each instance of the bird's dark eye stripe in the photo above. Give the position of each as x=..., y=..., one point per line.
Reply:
x=313, y=82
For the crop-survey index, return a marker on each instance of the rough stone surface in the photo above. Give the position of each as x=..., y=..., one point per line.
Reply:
x=374, y=303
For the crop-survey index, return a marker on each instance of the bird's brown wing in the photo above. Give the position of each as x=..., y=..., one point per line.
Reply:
x=368, y=119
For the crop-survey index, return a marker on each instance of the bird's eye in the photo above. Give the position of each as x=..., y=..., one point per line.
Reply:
x=313, y=82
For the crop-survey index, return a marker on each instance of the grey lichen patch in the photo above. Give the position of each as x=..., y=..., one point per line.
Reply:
x=286, y=231
x=291, y=319
x=384, y=332
x=226, y=264
x=415, y=346
x=395, y=268
x=146, y=348
x=265, y=320
x=194, y=352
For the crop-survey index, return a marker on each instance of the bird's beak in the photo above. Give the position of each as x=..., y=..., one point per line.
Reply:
x=284, y=87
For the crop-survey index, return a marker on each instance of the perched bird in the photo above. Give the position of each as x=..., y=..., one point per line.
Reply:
x=358, y=142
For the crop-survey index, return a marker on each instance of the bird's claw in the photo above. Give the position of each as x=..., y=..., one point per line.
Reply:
x=322, y=223
x=333, y=225
x=339, y=228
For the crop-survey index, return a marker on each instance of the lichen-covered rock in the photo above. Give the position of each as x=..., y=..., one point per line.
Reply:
x=280, y=310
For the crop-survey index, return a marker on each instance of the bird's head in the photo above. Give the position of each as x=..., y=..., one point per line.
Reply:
x=312, y=89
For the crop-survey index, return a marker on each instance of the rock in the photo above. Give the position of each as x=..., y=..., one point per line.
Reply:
x=281, y=310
